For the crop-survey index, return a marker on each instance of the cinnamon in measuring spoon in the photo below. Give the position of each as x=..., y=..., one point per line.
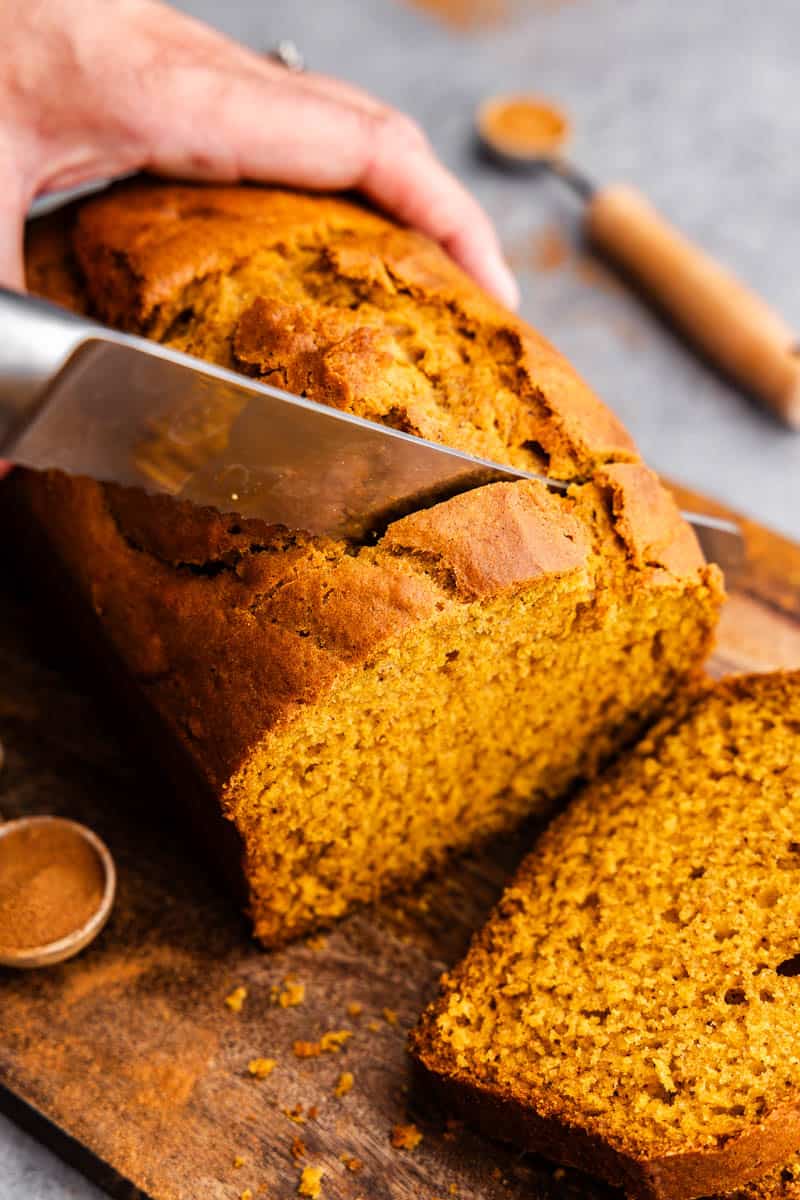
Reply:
x=523, y=126
x=51, y=884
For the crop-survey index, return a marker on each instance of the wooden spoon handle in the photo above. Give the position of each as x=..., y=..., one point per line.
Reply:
x=737, y=330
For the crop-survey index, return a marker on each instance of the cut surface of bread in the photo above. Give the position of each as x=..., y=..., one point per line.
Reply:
x=357, y=711
x=632, y=1007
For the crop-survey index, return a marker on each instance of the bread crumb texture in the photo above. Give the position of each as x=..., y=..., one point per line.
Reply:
x=261, y=1067
x=292, y=995
x=344, y=1084
x=405, y=1137
x=358, y=712
x=310, y=1182
x=235, y=999
x=632, y=1007
x=329, y=1043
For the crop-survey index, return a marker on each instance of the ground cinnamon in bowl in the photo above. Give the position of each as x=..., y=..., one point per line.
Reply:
x=52, y=882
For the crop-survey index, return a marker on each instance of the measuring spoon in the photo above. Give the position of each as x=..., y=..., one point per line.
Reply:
x=736, y=329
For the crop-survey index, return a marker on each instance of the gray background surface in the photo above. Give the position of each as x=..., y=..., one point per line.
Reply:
x=696, y=103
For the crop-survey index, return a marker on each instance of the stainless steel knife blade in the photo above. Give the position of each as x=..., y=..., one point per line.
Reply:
x=90, y=401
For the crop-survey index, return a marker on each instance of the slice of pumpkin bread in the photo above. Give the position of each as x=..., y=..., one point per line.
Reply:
x=351, y=713
x=633, y=1006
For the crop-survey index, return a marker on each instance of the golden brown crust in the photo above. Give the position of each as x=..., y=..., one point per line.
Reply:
x=145, y=248
x=500, y=537
x=648, y=520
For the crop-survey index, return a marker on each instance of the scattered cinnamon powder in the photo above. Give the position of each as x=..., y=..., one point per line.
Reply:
x=344, y=1084
x=261, y=1067
x=544, y=249
x=236, y=999
x=297, y=1149
x=551, y=250
x=310, y=1182
x=406, y=1137
x=523, y=126
x=468, y=14
x=51, y=884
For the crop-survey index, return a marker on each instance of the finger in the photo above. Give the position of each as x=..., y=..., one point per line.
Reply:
x=405, y=176
x=229, y=125
x=12, y=273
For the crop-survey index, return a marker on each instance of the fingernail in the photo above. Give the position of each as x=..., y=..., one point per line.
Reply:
x=502, y=282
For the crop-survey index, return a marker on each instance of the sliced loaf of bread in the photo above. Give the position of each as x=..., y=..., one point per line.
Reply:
x=633, y=1006
x=335, y=716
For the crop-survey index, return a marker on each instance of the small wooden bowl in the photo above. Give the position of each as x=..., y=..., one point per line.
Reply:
x=73, y=943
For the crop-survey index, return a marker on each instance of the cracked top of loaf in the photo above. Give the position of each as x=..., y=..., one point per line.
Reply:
x=327, y=299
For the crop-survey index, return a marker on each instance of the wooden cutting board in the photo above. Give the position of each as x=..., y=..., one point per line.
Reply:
x=128, y=1062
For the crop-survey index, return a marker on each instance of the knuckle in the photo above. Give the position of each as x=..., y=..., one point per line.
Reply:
x=400, y=130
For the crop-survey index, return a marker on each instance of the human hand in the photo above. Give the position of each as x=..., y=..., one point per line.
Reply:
x=96, y=88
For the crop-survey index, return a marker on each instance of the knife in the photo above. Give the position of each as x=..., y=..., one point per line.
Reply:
x=81, y=398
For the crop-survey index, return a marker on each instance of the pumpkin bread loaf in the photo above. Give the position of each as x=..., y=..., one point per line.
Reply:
x=356, y=712
x=632, y=1007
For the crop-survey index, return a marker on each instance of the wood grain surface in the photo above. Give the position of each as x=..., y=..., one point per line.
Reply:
x=128, y=1060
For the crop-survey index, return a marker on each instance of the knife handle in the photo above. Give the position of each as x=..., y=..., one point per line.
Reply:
x=736, y=329
x=36, y=339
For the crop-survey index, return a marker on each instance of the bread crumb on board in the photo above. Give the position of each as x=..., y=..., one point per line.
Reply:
x=344, y=1084
x=298, y=1115
x=329, y=1043
x=310, y=1182
x=406, y=1137
x=297, y=1149
x=355, y=1008
x=292, y=994
x=238, y=1162
x=317, y=942
x=351, y=1162
x=247, y=1194
x=261, y=1067
x=236, y=999
x=390, y=1016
